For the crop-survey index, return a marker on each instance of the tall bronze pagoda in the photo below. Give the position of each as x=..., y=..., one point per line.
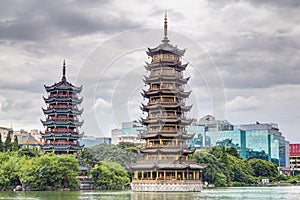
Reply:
x=62, y=117
x=165, y=165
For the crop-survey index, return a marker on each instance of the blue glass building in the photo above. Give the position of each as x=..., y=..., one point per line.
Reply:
x=263, y=141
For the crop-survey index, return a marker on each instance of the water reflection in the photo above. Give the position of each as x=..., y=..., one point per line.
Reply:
x=245, y=193
x=164, y=196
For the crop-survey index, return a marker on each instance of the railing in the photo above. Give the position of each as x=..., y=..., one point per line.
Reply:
x=166, y=181
x=61, y=142
x=166, y=146
x=62, y=118
x=61, y=130
x=62, y=95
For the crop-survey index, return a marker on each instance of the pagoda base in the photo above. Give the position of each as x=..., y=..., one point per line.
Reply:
x=166, y=186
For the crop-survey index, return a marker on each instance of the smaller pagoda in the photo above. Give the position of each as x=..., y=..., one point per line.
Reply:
x=62, y=117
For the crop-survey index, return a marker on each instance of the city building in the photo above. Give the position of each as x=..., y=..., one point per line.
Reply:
x=36, y=134
x=25, y=138
x=90, y=141
x=295, y=157
x=265, y=141
x=62, y=117
x=28, y=141
x=165, y=165
x=114, y=135
x=130, y=132
x=260, y=140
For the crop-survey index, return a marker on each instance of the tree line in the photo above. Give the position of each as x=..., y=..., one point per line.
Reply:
x=110, y=168
x=226, y=168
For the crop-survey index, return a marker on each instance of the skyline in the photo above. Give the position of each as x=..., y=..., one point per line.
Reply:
x=251, y=47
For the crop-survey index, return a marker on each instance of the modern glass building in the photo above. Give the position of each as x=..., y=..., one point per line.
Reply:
x=130, y=132
x=263, y=141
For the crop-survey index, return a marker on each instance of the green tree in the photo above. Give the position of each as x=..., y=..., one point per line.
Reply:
x=220, y=180
x=112, y=153
x=15, y=144
x=7, y=143
x=1, y=143
x=9, y=170
x=50, y=172
x=29, y=152
x=109, y=175
x=263, y=168
x=232, y=151
x=129, y=146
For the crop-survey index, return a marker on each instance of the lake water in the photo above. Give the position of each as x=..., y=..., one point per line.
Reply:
x=265, y=193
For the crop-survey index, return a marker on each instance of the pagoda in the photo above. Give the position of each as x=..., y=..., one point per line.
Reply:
x=165, y=166
x=62, y=117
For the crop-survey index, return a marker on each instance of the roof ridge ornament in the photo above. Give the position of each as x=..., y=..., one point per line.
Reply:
x=64, y=71
x=165, y=39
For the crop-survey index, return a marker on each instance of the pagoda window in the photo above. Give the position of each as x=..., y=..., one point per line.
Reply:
x=154, y=113
x=167, y=85
x=169, y=114
x=168, y=71
x=155, y=72
x=168, y=99
x=169, y=128
x=153, y=128
x=155, y=86
x=154, y=99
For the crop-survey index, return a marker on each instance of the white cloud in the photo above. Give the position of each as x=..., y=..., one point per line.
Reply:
x=240, y=103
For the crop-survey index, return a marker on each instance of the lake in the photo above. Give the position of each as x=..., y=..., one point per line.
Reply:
x=266, y=193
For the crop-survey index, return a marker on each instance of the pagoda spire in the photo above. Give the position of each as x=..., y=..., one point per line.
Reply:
x=64, y=71
x=165, y=39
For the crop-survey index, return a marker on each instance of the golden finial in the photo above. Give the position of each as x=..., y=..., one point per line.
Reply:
x=165, y=39
x=166, y=27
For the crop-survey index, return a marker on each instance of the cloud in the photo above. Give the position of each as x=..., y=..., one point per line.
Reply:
x=66, y=18
x=240, y=103
x=253, y=46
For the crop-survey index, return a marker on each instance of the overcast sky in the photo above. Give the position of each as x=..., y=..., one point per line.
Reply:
x=244, y=58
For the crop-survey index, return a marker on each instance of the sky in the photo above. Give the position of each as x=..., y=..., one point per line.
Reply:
x=243, y=58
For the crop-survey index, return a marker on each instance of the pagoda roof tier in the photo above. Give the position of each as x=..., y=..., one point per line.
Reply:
x=182, y=135
x=63, y=85
x=166, y=164
x=178, y=120
x=178, y=79
x=61, y=146
x=165, y=47
x=174, y=150
x=73, y=111
x=57, y=99
x=176, y=65
x=157, y=106
x=59, y=134
x=66, y=122
x=177, y=92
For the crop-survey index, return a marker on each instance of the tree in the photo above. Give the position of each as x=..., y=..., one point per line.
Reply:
x=129, y=146
x=109, y=175
x=112, y=153
x=263, y=168
x=15, y=144
x=7, y=143
x=232, y=151
x=9, y=170
x=1, y=143
x=50, y=172
x=29, y=152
